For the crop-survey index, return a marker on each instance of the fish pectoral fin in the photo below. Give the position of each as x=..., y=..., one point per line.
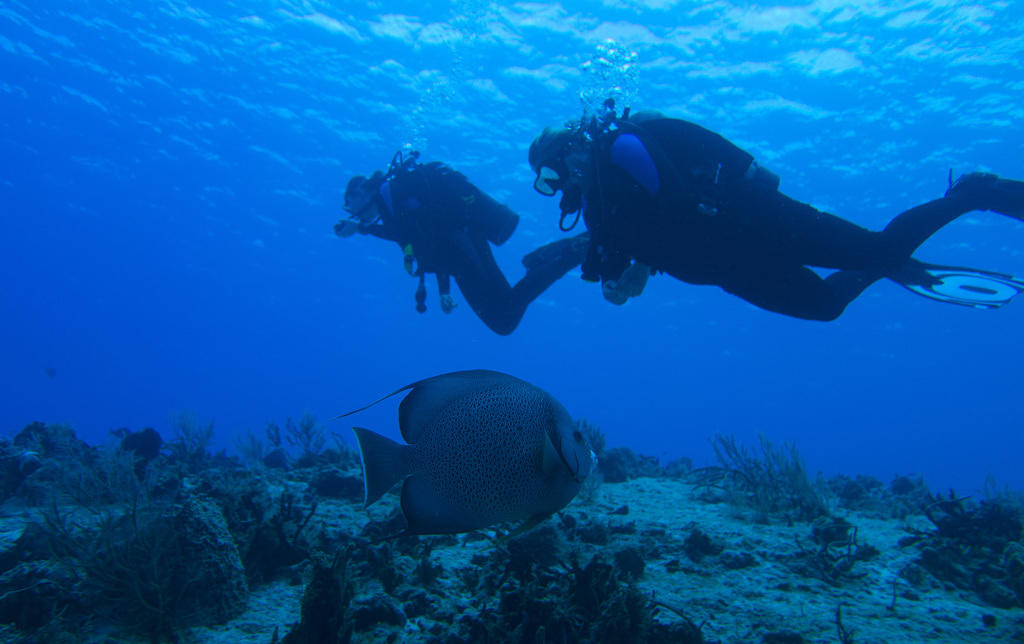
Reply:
x=426, y=510
x=525, y=526
x=550, y=459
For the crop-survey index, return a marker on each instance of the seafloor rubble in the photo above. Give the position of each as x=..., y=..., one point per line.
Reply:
x=146, y=540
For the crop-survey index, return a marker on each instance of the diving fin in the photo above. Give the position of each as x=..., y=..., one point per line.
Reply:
x=964, y=286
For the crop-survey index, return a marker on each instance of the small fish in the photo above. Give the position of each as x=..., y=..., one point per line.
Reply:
x=484, y=448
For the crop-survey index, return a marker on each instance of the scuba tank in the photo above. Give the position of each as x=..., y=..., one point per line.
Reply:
x=706, y=159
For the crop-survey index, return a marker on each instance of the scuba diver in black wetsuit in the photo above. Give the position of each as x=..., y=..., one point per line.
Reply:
x=661, y=194
x=444, y=224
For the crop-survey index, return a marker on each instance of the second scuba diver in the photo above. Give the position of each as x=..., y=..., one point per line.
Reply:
x=663, y=194
x=445, y=225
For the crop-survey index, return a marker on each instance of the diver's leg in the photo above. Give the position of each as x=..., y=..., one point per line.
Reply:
x=983, y=191
x=798, y=291
x=552, y=252
x=500, y=306
x=798, y=233
x=484, y=286
x=911, y=228
x=915, y=272
x=548, y=264
x=771, y=224
x=976, y=191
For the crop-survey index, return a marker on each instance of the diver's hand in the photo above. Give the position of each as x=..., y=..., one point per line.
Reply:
x=630, y=284
x=448, y=303
x=634, y=278
x=346, y=228
x=613, y=293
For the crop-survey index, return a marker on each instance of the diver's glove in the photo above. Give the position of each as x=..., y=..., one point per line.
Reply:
x=630, y=284
x=448, y=303
x=346, y=228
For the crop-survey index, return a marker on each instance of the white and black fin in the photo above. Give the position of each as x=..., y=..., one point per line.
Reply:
x=965, y=286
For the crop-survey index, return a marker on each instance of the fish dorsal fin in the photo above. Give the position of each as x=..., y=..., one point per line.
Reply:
x=428, y=397
x=381, y=399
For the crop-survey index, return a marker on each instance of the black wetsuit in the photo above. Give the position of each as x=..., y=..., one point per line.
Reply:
x=449, y=224
x=687, y=202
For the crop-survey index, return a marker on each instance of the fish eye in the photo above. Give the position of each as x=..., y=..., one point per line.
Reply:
x=577, y=435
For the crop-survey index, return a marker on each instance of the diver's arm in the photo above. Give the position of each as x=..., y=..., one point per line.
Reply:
x=444, y=287
x=349, y=227
x=381, y=231
x=444, y=283
x=346, y=227
x=602, y=265
x=613, y=264
x=630, y=284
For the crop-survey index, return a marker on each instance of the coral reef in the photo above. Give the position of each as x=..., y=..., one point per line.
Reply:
x=904, y=496
x=325, y=603
x=774, y=482
x=164, y=541
x=622, y=464
x=977, y=547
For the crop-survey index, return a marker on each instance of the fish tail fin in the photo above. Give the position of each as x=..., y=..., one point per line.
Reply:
x=385, y=463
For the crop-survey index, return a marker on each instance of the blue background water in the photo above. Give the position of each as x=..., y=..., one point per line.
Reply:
x=172, y=171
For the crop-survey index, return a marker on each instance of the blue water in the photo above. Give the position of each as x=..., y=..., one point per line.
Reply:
x=172, y=172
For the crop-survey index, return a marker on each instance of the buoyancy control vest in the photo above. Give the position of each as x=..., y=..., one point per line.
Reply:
x=648, y=168
x=432, y=200
x=428, y=205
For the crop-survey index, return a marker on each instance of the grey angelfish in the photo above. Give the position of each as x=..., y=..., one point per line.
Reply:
x=484, y=448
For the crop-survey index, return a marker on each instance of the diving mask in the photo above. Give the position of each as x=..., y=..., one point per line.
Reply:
x=360, y=197
x=548, y=181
